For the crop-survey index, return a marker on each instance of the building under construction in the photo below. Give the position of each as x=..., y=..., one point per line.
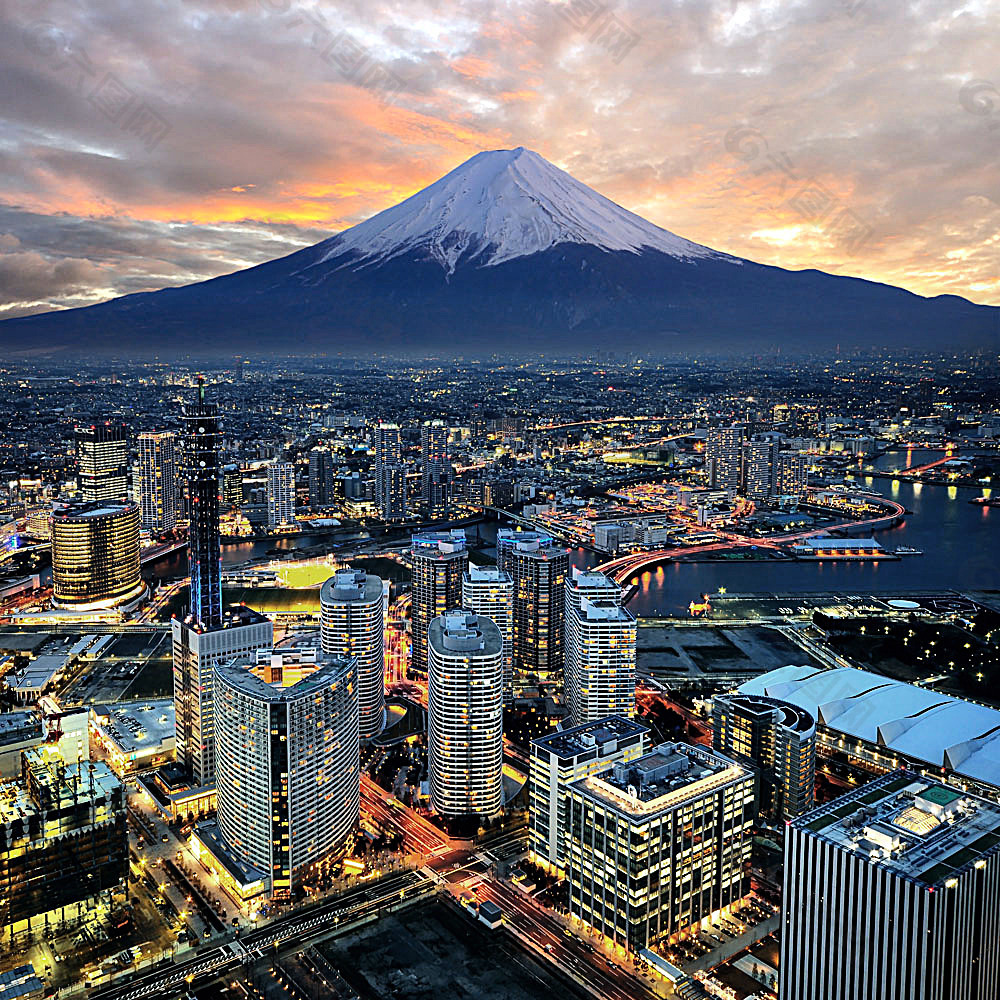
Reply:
x=63, y=844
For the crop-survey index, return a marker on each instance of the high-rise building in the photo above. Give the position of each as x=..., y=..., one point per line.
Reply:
x=438, y=561
x=759, y=462
x=353, y=626
x=435, y=470
x=792, y=478
x=321, y=472
x=288, y=761
x=102, y=462
x=600, y=665
x=656, y=845
x=893, y=890
x=232, y=486
x=723, y=454
x=205, y=636
x=196, y=651
x=778, y=741
x=63, y=844
x=157, y=481
x=489, y=591
x=390, y=473
x=539, y=569
x=95, y=555
x=465, y=715
x=201, y=467
x=567, y=755
x=280, y=494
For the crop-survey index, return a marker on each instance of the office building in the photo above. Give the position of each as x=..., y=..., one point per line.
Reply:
x=778, y=741
x=723, y=456
x=102, y=463
x=353, y=626
x=232, y=486
x=63, y=844
x=539, y=569
x=435, y=469
x=196, y=651
x=600, y=664
x=893, y=890
x=288, y=761
x=465, y=715
x=439, y=559
x=157, y=481
x=205, y=636
x=390, y=473
x=658, y=845
x=489, y=591
x=280, y=494
x=759, y=466
x=95, y=555
x=567, y=755
x=321, y=472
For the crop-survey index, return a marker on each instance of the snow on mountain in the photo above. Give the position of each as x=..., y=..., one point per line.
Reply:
x=498, y=206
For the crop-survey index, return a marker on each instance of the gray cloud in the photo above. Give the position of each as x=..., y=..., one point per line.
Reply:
x=267, y=144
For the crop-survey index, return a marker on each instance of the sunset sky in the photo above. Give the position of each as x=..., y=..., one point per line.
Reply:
x=157, y=142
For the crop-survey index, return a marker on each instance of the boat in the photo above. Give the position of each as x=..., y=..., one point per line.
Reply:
x=986, y=501
x=908, y=550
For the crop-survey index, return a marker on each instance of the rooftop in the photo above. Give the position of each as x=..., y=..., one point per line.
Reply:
x=486, y=574
x=604, y=609
x=566, y=743
x=917, y=723
x=85, y=509
x=274, y=675
x=136, y=727
x=351, y=585
x=662, y=779
x=458, y=631
x=446, y=542
x=920, y=829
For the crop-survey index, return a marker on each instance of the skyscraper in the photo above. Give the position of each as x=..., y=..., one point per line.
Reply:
x=489, y=591
x=102, y=462
x=157, y=481
x=778, y=740
x=723, y=454
x=203, y=440
x=600, y=667
x=438, y=561
x=434, y=467
x=353, y=626
x=95, y=555
x=321, y=470
x=390, y=473
x=288, y=760
x=538, y=568
x=280, y=494
x=893, y=890
x=759, y=464
x=465, y=715
x=205, y=636
x=792, y=476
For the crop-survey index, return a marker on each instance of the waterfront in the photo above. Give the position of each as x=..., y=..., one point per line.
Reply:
x=958, y=541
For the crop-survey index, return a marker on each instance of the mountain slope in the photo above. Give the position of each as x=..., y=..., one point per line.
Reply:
x=508, y=254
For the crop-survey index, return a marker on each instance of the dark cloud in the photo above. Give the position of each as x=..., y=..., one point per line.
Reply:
x=145, y=145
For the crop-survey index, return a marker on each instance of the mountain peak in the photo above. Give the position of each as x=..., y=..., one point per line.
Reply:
x=496, y=206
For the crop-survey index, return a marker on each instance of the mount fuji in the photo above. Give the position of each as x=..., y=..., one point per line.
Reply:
x=508, y=254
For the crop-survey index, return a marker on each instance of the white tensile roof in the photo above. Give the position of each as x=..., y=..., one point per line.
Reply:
x=915, y=722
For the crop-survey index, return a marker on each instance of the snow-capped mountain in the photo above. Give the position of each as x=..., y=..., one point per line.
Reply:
x=509, y=255
x=500, y=205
